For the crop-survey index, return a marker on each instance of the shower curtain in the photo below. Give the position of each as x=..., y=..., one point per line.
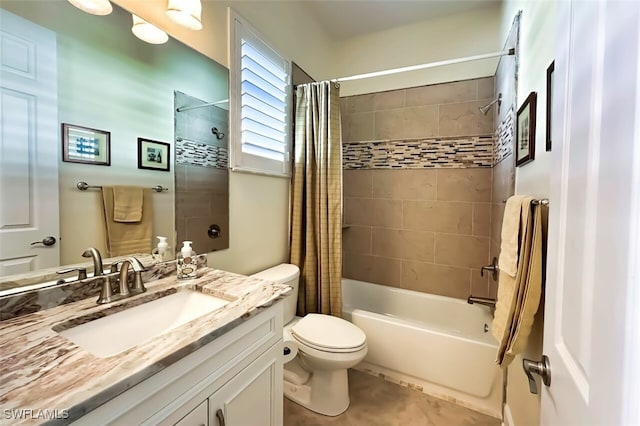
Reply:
x=316, y=199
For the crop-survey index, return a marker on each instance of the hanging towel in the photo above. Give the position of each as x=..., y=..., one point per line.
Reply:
x=519, y=295
x=127, y=237
x=127, y=203
x=508, y=260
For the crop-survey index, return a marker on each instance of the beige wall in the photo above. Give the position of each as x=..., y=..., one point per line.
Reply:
x=537, y=35
x=420, y=229
x=258, y=205
x=448, y=37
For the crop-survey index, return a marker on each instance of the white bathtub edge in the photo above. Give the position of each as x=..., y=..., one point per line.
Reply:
x=489, y=406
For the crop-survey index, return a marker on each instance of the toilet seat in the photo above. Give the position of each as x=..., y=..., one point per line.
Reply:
x=328, y=334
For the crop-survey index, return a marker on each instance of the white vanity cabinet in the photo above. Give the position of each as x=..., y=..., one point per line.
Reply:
x=236, y=380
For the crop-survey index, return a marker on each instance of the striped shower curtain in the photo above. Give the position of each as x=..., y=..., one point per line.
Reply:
x=316, y=199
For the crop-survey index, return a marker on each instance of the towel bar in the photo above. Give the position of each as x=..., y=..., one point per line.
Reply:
x=83, y=186
x=540, y=201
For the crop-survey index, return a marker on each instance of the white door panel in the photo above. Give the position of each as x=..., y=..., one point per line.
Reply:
x=28, y=146
x=595, y=109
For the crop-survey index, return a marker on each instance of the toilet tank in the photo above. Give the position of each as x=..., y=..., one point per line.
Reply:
x=288, y=274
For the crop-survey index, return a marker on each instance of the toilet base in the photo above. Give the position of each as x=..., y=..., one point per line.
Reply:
x=326, y=392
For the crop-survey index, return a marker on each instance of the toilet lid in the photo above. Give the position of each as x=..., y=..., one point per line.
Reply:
x=328, y=332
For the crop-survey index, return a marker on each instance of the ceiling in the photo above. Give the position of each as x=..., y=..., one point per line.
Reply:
x=344, y=19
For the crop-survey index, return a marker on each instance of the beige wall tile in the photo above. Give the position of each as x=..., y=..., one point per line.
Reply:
x=457, y=91
x=464, y=184
x=438, y=216
x=408, y=184
x=486, y=88
x=373, y=269
x=357, y=183
x=497, y=213
x=376, y=101
x=435, y=279
x=416, y=122
x=480, y=285
x=378, y=212
x=207, y=179
x=357, y=127
x=357, y=239
x=412, y=245
x=482, y=219
x=193, y=204
x=464, y=119
x=462, y=250
x=503, y=180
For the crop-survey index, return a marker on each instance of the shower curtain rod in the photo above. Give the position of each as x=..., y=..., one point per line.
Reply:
x=187, y=108
x=511, y=51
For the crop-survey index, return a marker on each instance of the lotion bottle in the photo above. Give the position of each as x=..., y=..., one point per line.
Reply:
x=186, y=261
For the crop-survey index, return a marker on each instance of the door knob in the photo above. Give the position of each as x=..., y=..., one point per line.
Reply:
x=47, y=241
x=541, y=368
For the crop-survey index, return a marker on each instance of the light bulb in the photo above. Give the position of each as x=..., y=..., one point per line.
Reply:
x=94, y=7
x=147, y=32
x=187, y=13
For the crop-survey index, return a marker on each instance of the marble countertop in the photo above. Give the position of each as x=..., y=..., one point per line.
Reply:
x=41, y=370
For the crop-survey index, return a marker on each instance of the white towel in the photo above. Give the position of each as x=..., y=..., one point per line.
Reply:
x=508, y=260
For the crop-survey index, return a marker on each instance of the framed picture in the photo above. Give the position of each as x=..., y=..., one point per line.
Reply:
x=549, y=103
x=526, y=131
x=153, y=155
x=85, y=145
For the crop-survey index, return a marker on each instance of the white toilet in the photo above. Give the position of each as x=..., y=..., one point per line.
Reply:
x=327, y=346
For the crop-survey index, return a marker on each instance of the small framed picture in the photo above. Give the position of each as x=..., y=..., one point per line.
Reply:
x=85, y=145
x=526, y=131
x=153, y=155
x=549, y=104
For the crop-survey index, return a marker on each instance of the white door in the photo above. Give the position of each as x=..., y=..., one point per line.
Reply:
x=28, y=146
x=593, y=207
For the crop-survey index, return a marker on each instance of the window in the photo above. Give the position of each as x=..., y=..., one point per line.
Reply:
x=260, y=103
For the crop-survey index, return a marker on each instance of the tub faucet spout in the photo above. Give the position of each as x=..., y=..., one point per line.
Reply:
x=482, y=301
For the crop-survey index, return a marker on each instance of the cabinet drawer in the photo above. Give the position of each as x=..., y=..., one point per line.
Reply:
x=198, y=417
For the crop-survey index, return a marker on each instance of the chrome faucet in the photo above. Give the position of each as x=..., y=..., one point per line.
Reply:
x=138, y=285
x=122, y=274
x=94, y=254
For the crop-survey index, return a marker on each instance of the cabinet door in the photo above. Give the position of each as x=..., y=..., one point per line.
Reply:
x=198, y=417
x=253, y=397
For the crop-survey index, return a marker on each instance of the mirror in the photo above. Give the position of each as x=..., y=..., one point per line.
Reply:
x=110, y=81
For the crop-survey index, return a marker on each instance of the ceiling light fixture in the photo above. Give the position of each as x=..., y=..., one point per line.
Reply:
x=187, y=13
x=147, y=32
x=94, y=7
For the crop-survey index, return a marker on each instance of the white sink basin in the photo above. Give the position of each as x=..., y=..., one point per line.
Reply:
x=116, y=333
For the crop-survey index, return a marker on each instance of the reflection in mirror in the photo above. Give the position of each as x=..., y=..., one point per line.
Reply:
x=94, y=73
x=202, y=207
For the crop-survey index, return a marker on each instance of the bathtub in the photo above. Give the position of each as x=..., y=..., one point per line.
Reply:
x=437, y=344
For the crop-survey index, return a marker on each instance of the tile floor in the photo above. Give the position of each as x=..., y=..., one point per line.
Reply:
x=376, y=402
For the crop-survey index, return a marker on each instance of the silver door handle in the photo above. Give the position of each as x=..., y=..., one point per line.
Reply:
x=541, y=368
x=46, y=241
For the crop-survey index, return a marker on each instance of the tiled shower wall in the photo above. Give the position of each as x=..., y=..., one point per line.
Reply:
x=423, y=226
x=202, y=177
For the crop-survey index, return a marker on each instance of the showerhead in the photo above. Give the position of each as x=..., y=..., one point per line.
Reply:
x=485, y=109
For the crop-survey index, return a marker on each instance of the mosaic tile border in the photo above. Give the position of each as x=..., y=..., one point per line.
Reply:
x=504, y=138
x=201, y=154
x=459, y=152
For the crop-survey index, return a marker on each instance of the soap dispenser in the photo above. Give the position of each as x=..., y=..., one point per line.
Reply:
x=161, y=252
x=186, y=261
